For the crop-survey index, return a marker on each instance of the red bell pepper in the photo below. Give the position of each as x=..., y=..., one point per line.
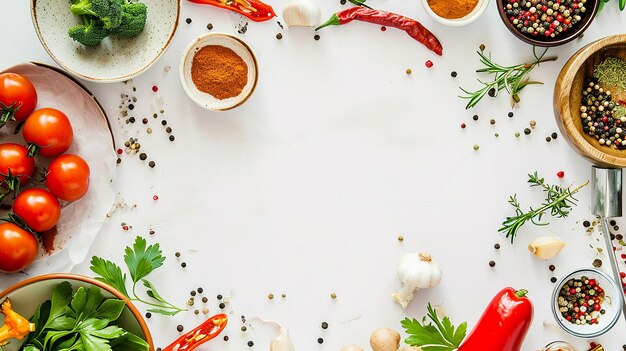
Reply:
x=503, y=325
x=203, y=333
x=253, y=9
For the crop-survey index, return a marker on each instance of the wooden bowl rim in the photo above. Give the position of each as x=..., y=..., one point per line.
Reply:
x=556, y=42
x=563, y=86
x=92, y=281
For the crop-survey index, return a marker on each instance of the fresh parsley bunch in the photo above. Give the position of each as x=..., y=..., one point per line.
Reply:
x=140, y=260
x=440, y=336
x=83, y=321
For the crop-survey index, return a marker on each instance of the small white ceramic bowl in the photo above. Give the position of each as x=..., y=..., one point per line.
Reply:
x=29, y=294
x=481, y=6
x=206, y=100
x=612, y=305
x=115, y=59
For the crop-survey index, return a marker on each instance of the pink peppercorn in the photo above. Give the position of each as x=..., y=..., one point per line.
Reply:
x=155, y=88
x=429, y=63
x=383, y=28
x=560, y=174
x=463, y=125
x=155, y=197
x=119, y=151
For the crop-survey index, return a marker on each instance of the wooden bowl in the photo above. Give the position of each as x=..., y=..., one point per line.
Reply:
x=590, y=15
x=568, y=96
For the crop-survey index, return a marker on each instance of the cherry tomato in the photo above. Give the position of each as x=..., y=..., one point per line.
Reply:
x=68, y=177
x=38, y=208
x=18, y=248
x=48, y=132
x=14, y=157
x=18, y=97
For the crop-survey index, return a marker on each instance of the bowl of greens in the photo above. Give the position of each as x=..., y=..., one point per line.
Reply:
x=105, y=40
x=70, y=312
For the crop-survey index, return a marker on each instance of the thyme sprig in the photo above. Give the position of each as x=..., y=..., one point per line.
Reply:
x=559, y=202
x=510, y=78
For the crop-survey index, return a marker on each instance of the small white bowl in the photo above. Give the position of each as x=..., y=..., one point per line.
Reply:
x=115, y=59
x=612, y=305
x=481, y=6
x=206, y=100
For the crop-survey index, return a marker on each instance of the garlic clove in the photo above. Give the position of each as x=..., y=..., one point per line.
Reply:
x=546, y=247
x=303, y=13
x=385, y=339
x=351, y=348
x=282, y=342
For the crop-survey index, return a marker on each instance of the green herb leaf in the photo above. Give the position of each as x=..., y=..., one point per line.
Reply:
x=109, y=273
x=110, y=309
x=61, y=298
x=440, y=336
x=151, y=291
x=93, y=343
x=110, y=332
x=164, y=311
x=129, y=342
x=142, y=260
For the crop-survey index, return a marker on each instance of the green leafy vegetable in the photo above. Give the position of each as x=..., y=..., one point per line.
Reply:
x=559, y=202
x=82, y=321
x=440, y=336
x=141, y=260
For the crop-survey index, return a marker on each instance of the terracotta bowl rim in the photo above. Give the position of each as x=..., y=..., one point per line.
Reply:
x=92, y=281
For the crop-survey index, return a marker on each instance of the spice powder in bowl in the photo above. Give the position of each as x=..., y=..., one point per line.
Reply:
x=452, y=9
x=218, y=71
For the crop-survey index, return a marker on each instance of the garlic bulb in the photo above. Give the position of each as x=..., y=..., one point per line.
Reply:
x=303, y=13
x=416, y=271
x=385, y=339
x=546, y=247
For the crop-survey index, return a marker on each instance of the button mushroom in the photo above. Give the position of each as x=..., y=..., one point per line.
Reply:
x=385, y=339
x=352, y=348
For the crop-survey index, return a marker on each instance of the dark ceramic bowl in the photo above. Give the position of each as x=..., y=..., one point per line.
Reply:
x=563, y=38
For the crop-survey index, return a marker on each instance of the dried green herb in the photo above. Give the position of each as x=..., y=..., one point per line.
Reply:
x=611, y=71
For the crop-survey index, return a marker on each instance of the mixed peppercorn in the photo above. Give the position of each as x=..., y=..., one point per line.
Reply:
x=580, y=301
x=546, y=18
x=598, y=118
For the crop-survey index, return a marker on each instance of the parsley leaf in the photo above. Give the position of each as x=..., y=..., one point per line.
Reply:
x=109, y=273
x=142, y=260
x=440, y=336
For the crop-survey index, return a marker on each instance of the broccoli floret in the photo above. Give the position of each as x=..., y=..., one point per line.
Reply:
x=108, y=11
x=133, y=20
x=90, y=33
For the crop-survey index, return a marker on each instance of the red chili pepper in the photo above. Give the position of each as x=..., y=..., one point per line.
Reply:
x=203, y=333
x=503, y=325
x=253, y=9
x=415, y=29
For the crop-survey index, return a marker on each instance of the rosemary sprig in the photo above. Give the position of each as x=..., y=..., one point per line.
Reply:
x=511, y=78
x=558, y=202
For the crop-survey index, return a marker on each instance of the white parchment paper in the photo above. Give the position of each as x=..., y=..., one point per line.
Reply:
x=81, y=220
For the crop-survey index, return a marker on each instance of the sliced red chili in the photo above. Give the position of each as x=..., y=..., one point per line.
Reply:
x=203, y=333
x=253, y=9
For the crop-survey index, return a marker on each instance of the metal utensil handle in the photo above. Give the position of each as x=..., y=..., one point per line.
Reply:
x=613, y=262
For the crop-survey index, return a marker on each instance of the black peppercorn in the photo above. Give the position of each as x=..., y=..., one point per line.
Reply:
x=184, y=264
x=324, y=325
x=222, y=305
x=172, y=138
x=343, y=2
x=177, y=254
x=119, y=160
x=205, y=299
x=143, y=156
x=250, y=344
x=554, y=135
x=200, y=290
x=148, y=314
x=316, y=37
x=548, y=139
x=279, y=36
x=209, y=26
x=219, y=297
x=188, y=20
x=453, y=74
x=553, y=280
x=168, y=129
x=526, y=131
x=619, y=237
x=320, y=340
x=144, y=121
x=586, y=224
x=612, y=222
x=475, y=117
x=492, y=263
x=510, y=114
x=180, y=328
x=131, y=120
x=131, y=107
x=496, y=246
x=151, y=164
x=164, y=122
x=244, y=328
x=551, y=268
x=193, y=293
x=225, y=337
x=492, y=92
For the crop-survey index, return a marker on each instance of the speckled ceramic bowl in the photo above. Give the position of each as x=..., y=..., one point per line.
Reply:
x=29, y=294
x=115, y=59
x=240, y=48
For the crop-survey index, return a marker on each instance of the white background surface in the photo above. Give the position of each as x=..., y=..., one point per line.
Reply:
x=304, y=189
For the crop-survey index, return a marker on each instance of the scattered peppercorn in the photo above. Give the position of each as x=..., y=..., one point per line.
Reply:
x=196, y=312
x=219, y=297
x=205, y=299
x=205, y=311
x=496, y=246
x=548, y=139
x=316, y=37
x=333, y=296
x=156, y=197
x=597, y=263
x=551, y=268
x=428, y=63
x=320, y=340
x=343, y=2
x=131, y=107
x=476, y=147
x=148, y=314
x=554, y=135
x=612, y=222
x=279, y=36
x=164, y=122
x=172, y=138
x=526, y=131
x=144, y=121
x=532, y=123
x=553, y=279
x=180, y=328
x=383, y=28
x=400, y=238
x=155, y=88
x=225, y=337
x=510, y=114
x=184, y=264
x=492, y=92
x=250, y=343
x=222, y=305
x=151, y=164
x=619, y=237
x=586, y=224
x=151, y=232
x=177, y=254
x=492, y=263
x=453, y=74
x=119, y=160
x=408, y=71
x=244, y=328
x=492, y=121
x=283, y=295
x=193, y=293
x=188, y=20
x=324, y=325
x=200, y=290
x=561, y=174
x=475, y=117
x=463, y=125
x=517, y=134
x=270, y=296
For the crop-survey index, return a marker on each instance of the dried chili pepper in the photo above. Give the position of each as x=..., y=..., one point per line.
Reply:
x=253, y=9
x=203, y=333
x=415, y=29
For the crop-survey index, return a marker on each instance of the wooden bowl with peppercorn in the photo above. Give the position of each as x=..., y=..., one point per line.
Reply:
x=568, y=104
x=547, y=23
